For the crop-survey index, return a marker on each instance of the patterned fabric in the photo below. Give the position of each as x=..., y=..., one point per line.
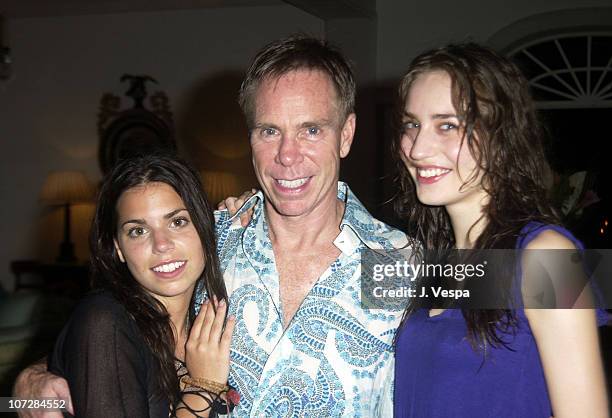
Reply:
x=335, y=358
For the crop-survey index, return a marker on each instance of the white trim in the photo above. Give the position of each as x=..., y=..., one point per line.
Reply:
x=581, y=93
x=553, y=28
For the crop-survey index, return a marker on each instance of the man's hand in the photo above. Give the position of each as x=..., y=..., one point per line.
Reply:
x=36, y=382
x=233, y=204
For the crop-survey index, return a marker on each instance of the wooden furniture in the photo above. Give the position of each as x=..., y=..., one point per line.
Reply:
x=67, y=278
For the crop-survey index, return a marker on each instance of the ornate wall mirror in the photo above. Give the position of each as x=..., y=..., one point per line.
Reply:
x=134, y=131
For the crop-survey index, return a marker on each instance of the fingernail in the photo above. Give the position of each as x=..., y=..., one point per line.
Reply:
x=222, y=302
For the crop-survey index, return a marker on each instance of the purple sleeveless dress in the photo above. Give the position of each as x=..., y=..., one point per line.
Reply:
x=439, y=375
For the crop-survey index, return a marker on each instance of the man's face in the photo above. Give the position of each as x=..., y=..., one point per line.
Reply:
x=298, y=139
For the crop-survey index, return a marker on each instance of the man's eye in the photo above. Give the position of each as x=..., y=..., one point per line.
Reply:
x=136, y=232
x=268, y=132
x=313, y=131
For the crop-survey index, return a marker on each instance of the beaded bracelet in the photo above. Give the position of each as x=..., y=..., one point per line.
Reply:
x=208, y=385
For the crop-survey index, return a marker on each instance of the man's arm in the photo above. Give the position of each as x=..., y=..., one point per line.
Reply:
x=36, y=382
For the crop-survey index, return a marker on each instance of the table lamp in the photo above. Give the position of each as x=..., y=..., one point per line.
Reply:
x=65, y=188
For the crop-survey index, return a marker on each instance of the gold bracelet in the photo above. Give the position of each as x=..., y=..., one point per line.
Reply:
x=208, y=385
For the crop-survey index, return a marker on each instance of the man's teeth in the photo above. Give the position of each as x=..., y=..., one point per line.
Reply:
x=168, y=268
x=432, y=172
x=292, y=184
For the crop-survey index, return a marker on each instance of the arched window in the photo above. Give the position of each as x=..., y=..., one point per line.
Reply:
x=570, y=70
x=570, y=75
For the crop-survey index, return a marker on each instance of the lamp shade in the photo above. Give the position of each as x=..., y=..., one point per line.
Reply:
x=219, y=185
x=66, y=187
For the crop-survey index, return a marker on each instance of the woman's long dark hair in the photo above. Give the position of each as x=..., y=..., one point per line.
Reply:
x=110, y=273
x=503, y=133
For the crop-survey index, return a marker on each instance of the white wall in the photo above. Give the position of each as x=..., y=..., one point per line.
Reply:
x=63, y=65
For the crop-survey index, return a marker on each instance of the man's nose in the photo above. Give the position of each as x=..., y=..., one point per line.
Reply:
x=162, y=241
x=289, y=152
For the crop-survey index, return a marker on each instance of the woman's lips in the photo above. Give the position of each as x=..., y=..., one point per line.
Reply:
x=429, y=175
x=169, y=269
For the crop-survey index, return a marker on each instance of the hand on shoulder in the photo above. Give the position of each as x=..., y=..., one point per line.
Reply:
x=234, y=204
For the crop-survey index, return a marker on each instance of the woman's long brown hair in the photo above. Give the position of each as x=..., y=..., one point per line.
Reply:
x=110, y=273
x=503, y=133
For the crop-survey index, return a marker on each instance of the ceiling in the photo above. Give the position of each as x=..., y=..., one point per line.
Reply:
x=325, y=9
x=43, y=8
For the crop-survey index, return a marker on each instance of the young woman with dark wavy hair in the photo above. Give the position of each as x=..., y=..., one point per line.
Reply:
x=128, y=343
x=470, y=177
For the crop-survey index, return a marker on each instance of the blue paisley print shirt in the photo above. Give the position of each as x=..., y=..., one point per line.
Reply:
x=335, y=359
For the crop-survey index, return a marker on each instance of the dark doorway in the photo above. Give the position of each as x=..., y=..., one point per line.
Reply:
x=580, y=141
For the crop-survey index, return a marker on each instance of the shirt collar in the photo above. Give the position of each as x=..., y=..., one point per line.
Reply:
x=362, y=226
x=373, y=233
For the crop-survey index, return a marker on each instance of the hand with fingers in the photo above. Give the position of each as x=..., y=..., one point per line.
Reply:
x=36, y=382
x=208, y=346
x=233, y=205
x=207, y=353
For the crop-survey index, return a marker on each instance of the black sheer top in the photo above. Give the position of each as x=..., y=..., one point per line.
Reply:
x=108, y=366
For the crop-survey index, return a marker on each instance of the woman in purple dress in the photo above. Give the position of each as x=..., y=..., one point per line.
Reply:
x=471, y=178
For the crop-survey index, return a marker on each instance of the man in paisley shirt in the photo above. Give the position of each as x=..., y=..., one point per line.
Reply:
x=303, y=346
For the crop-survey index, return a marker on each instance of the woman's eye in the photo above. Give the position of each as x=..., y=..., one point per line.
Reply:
x=448, y=126
x=136, y=232
x=411, y=125
x=179, y=222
